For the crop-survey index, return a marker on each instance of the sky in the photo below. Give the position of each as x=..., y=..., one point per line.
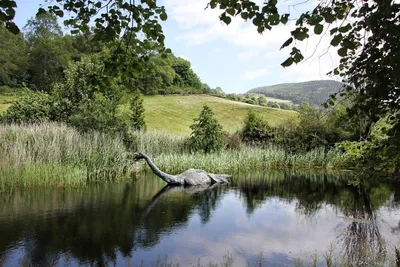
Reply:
x=234, y=57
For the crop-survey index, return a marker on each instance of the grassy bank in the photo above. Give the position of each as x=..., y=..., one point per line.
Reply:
x=57, y=155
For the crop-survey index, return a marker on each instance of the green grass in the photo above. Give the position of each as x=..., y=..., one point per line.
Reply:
x=6, y=101
x=173, y=114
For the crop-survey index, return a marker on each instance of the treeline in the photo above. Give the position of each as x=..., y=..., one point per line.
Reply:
x=40, y=57
x=259, y=100
x=313, y=92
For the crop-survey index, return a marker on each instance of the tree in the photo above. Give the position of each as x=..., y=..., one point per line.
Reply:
x=50, y=53
x=262, y=101
x=207, y=132
x=256, y=130
x=13, y=58
x=185, y=75
x=137, y=109
x=366, y=34
x=42, y=26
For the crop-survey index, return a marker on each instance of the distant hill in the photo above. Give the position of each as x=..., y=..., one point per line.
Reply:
x=313, y=92
x=174, y=114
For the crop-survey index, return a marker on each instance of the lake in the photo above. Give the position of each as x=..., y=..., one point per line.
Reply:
x=281, y=218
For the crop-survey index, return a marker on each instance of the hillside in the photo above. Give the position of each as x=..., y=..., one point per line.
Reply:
x=313, y=92
x=174, y=114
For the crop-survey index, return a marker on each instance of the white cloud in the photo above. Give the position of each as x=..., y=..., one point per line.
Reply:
x=252, y=74
x=217, y=49
x=197, y=27
x=247, y=55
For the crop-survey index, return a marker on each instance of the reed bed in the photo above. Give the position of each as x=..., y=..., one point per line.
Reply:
x=55, y=154
x=247, y=158
x=58, y=155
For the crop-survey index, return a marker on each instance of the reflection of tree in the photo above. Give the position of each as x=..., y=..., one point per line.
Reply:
x=361, y=240
x=309, y=191
x=93, y=224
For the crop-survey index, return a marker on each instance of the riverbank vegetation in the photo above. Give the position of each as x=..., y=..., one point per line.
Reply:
x=52, y=154
x=80, y=117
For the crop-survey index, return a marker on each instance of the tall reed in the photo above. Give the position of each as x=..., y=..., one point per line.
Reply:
x=247, y=158
x=55, y=154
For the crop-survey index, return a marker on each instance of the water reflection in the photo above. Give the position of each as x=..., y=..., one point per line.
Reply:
x=283, y=214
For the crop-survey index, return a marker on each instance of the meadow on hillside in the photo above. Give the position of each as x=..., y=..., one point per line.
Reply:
x=174, y=114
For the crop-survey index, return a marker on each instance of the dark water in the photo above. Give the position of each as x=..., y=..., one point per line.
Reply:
x=286, y=216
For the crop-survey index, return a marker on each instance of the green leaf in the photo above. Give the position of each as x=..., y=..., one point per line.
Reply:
x=345, y=28
x=342, y=52
x=59, y=13
x=318, y=29
x=12, y=27
x=213, y=4
x=74, y=31
x=231, y=11
x=298, y=56
x=244, y=15
x=227, y=20
x=300, y=34
x=41, y=11
x=163, y=16
x=329, y=18
x=274, y=19
x=257, y=21
x=284, y=18
x=287, y=62
x=337, y=39
x=333, y=31
x=288, y=42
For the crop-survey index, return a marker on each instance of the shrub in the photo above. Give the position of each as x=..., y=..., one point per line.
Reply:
x=207, y=132
x=100, y=114
x=137, y=109
x=256, y=130
x=32, y=107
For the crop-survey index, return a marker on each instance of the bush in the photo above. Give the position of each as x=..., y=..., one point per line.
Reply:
x=137, y=109
x=32, y=107
x=99, y=114
x=256, y=130
x=207, y=132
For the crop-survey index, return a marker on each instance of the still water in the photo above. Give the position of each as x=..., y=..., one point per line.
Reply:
x=283, y=216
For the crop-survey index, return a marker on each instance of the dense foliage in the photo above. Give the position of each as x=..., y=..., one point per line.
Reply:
x=137, y=109
x=207, y=134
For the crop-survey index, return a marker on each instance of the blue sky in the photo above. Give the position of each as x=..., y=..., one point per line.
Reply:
x=234, y=57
